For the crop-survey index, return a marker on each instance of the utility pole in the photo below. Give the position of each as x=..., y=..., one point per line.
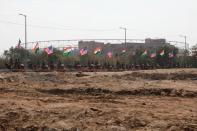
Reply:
x=185, y=37
x=25, y=29
x=125, y=29
x=185, y=55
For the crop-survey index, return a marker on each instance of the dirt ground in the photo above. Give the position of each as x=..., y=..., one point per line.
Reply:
x=151, y=100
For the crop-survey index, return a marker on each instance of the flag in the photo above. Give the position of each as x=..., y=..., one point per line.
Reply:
x=68, y=51
x=19, y=44
x=83, y=51
x=36, y=48
x=109, y=54
x=145, y=53
x=170, y=55
x=49, y=50
x=162, y=53
x=97, y=51
x=123, y=51
x=153, y=55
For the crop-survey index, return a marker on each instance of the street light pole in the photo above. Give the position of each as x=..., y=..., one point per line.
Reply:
x=25, y=29
x=125, y=29
x=185, y=38
x=185, y=55
x=25, y=57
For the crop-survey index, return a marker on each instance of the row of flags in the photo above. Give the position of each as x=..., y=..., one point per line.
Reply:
x=68, y=51
x=153, y=55
x=98, y=51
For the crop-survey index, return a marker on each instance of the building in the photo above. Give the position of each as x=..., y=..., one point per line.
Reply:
x=90, y=45
x=150, y=44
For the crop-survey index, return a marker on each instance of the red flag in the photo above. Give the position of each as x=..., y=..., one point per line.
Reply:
x=110, y=54
x=162, y=53
x=49, y=50
x=98, y=50
x=83, y=51
x=171, y=55
x=153, y=55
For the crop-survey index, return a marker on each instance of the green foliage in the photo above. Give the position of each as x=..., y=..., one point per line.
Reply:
x=165, y=61
x=117, y=59
x=19, y=53
x=193, y=59
x=2, y=63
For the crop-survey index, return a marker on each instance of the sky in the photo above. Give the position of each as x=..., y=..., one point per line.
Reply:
x=97, y=19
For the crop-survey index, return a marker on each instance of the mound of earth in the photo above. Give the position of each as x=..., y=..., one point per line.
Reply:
x=160, y=76
x=9, y=79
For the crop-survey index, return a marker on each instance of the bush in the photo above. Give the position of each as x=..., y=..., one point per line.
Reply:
x=2, y=63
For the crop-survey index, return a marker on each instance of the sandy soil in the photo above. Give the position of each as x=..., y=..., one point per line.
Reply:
x=156, y=100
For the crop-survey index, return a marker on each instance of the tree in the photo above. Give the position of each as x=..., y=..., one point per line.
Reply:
x=165, y=60
x=2, y=62
x=17, y=53
x=194, y=56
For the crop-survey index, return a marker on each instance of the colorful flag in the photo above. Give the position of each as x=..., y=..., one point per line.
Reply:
x=36, y=48
x=19, y=44
x=145, y=53
x=170, y=55
x=109, y=54
x=123, y=51
x=162, y=53
x=97, y=51
x=83, y=51
x=68, y=51
x=153, y=55
x=49, y=50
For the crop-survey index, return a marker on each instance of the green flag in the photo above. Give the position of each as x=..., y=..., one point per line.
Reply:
x=98, y=51
x=68, y=51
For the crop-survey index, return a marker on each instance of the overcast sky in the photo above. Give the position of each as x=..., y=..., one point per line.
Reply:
x=73, y=19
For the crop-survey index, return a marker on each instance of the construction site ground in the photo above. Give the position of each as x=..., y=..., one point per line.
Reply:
x=144, y=100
